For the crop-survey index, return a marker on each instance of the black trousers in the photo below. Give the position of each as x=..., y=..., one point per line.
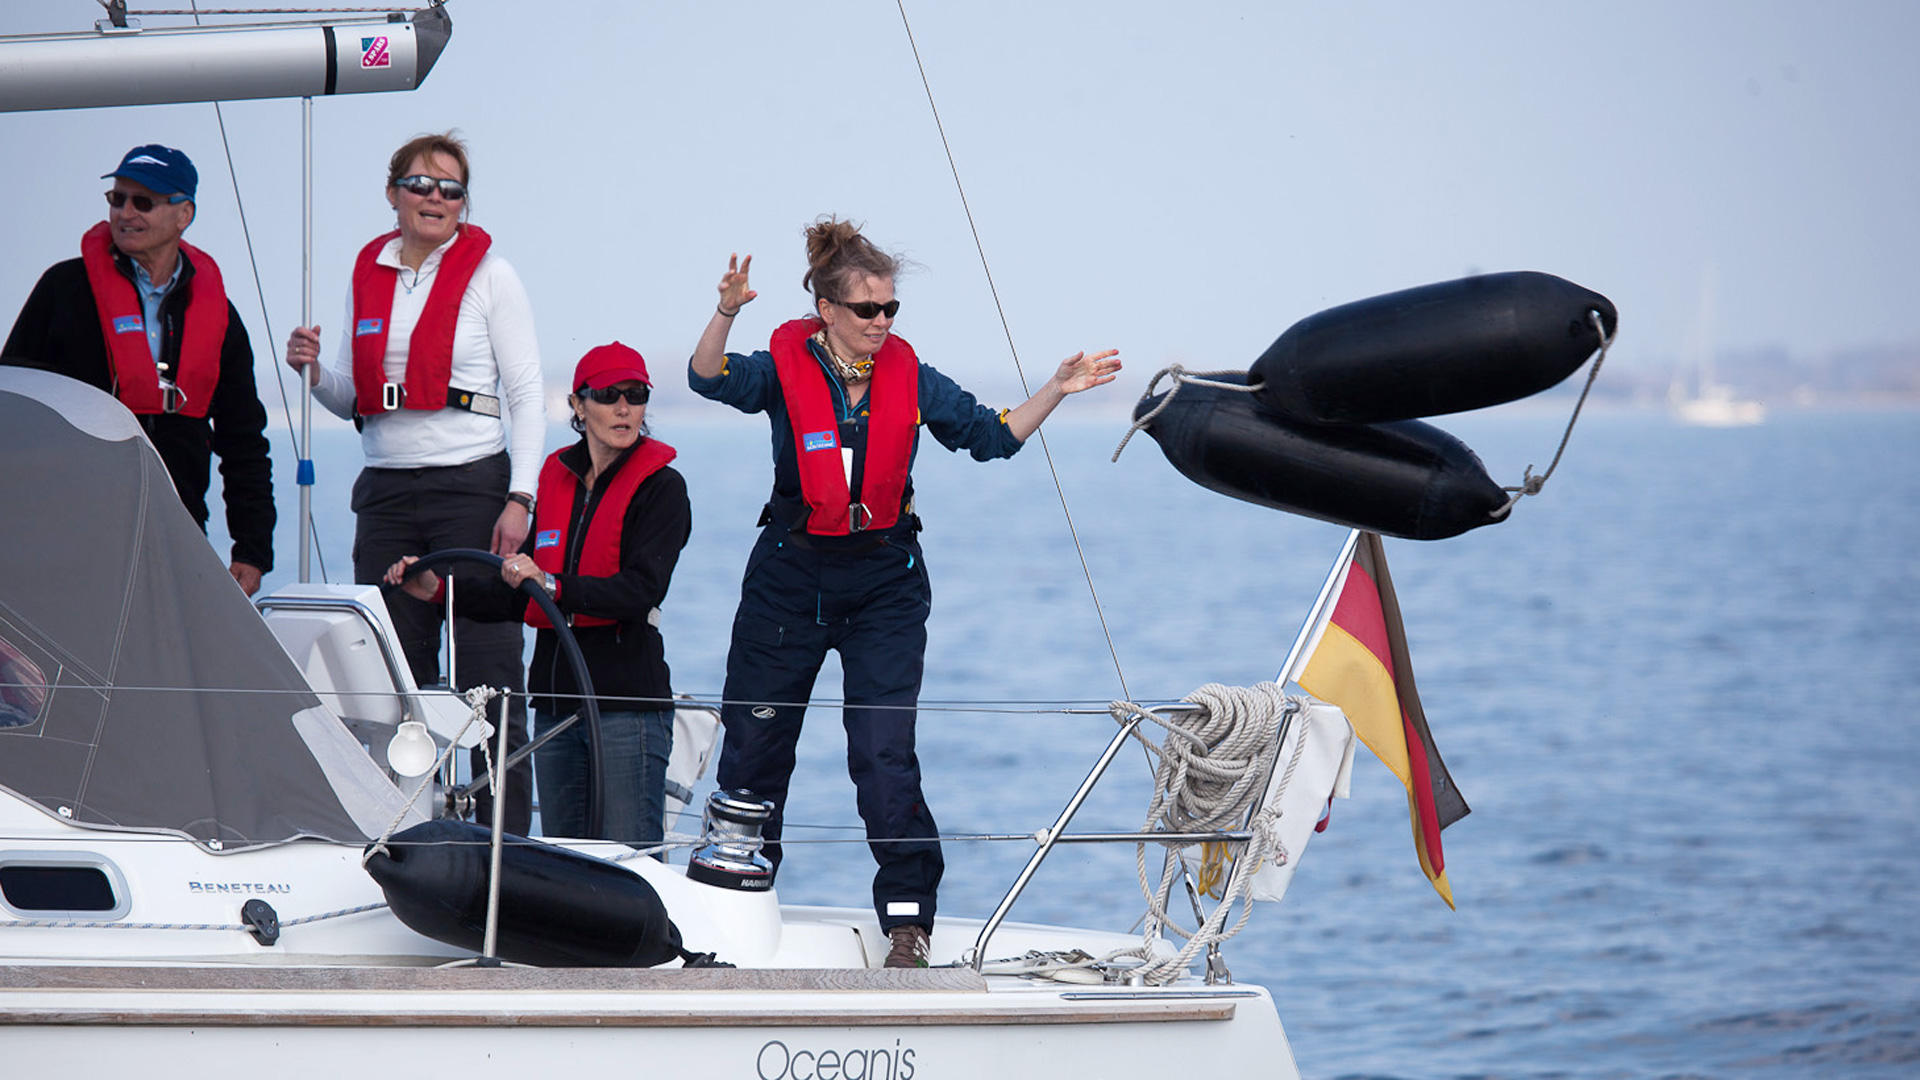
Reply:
x=417, y=511
x=871, y=606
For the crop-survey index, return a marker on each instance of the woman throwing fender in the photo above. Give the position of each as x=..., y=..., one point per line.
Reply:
x=838, y=565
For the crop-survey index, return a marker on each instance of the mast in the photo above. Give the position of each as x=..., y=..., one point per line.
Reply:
x=303, y=475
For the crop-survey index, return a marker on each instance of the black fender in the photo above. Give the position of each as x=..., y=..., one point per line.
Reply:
x=1432, y=350
x=1405, y=478
x=558, y=908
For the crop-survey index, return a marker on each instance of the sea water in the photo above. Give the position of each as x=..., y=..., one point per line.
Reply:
x=1679, y=689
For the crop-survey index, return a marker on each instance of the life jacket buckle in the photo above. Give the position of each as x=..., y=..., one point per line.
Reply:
x=858, y=517
x=392, y=396
x=171, y=397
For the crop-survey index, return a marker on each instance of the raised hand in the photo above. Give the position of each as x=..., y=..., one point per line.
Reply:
x=733, y=285
x=1082, y=371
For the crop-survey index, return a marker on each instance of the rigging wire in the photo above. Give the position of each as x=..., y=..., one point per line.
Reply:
x=1063, y=707
x=1047, y=450
x=1210, y=930
x=246, y=231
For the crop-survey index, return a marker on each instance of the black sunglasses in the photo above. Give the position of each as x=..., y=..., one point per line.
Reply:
x=607, y=395
x=450, y=190
x=142, y=203
x=867, y=309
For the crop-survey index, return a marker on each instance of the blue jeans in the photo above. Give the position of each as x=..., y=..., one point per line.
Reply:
x=633, y=776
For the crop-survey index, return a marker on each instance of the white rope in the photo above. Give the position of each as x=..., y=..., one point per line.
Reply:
x=1060, y=965
x=1181, y=377
x=1212, y=769
x=1530, y=484
x=69, y=924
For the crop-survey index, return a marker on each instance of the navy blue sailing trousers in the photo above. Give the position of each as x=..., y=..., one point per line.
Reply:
x=871, y=606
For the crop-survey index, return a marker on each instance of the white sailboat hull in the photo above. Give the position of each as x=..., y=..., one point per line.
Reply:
x=171, y=974
x=863, y=1025
x=174, y=977
x=1719, y=411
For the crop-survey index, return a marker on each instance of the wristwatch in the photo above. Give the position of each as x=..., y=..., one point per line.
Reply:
x=550, y=583
x=522, y=498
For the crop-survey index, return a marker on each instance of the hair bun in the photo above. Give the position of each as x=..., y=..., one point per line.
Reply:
x=837, y=255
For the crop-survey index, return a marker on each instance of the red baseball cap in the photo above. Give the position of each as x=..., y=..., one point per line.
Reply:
x=605, y=365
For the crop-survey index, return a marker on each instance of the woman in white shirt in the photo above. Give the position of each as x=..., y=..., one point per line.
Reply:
x=440, y=351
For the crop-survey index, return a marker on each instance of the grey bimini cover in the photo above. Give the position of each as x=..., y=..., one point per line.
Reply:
x=138, y=687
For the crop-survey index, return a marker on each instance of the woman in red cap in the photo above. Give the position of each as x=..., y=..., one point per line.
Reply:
x=611, y=517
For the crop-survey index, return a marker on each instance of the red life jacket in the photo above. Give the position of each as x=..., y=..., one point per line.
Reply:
x=600, y=551
x=136, y=381
x=430, y=349
x=893, y=414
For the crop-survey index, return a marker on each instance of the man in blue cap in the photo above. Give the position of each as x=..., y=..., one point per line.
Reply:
x=144, y=316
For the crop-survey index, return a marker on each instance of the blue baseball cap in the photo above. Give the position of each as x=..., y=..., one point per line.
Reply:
x=162, y=169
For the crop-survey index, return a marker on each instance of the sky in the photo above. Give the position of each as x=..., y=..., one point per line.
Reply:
x=1180, y=182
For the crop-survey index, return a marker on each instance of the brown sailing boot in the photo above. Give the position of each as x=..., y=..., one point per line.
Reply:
x=909, y=947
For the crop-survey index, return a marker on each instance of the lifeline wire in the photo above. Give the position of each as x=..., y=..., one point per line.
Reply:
x=1072, y=531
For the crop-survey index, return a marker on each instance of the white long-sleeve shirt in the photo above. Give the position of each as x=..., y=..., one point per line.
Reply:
x=494, y=352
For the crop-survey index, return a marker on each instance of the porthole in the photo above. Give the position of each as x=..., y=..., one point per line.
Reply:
x=61, y=885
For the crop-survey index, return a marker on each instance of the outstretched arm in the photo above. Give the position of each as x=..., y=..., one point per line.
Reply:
x=710, y=356
x=1081, y=371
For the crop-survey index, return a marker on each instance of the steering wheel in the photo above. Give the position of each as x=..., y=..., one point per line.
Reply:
x=589, y=705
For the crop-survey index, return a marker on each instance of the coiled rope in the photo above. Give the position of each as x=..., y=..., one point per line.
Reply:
x=1211, y=769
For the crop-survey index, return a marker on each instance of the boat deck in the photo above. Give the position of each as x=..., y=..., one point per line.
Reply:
x=568, y=997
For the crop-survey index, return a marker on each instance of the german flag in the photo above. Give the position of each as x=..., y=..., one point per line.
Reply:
x=1357, y=659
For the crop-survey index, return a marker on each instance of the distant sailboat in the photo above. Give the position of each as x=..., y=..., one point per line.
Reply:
x=1694, y=397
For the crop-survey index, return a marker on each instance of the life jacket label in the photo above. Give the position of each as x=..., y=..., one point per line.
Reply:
x=546, y=538
x=821, y=440
x=129, y=324
x=365, y=327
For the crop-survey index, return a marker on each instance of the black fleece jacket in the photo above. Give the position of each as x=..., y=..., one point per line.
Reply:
x=59, y=330
x=628, y=659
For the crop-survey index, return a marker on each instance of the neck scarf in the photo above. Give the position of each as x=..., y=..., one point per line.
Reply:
x=851, y=371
